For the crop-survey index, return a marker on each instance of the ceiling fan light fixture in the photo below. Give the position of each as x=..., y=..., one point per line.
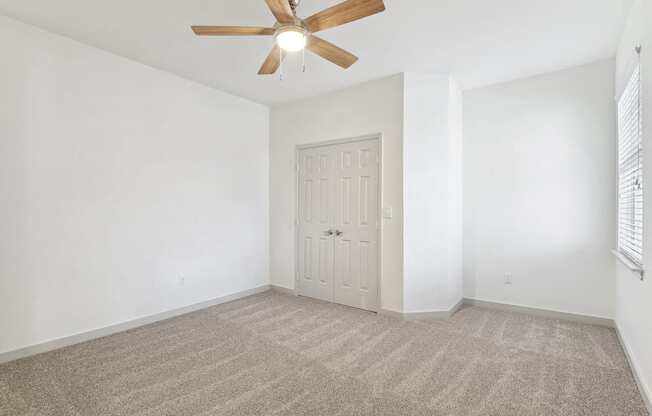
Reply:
x=294, y=34
x=291, y=39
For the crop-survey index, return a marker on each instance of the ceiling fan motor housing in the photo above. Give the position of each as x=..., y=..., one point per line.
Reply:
x=294, y=4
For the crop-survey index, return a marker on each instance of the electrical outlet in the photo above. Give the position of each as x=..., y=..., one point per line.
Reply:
x=182, y=281
x=508, y=278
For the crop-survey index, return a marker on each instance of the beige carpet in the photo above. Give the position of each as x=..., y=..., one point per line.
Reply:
x=274, y=354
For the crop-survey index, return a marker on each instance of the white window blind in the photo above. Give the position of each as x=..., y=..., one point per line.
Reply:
x=630, y=171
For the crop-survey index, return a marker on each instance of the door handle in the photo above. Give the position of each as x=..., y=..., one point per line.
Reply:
x=328, y=232
x=338, y=233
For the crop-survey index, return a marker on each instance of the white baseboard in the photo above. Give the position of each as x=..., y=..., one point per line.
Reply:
x=121, y=327
x=544, y=313
x=390, y=313
x=646, y=394
x=284, y=290
x=408, y=316
x=457, y=307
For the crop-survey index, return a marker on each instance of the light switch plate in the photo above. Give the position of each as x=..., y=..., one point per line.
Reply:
x=387, y=213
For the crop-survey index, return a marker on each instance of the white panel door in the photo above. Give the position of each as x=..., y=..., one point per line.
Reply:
x=316, y=220
x=355, y=272
x=337, y=243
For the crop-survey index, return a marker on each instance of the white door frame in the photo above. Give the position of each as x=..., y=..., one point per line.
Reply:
x=298, y=148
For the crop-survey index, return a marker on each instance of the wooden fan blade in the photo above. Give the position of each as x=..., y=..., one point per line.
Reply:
x=330, y=52
x=272, y=62
x=232, y=30
x=281, y=10
x=343, y=13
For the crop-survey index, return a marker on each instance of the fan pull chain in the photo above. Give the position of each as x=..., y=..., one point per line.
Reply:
x=280, y=58
x=303, y=60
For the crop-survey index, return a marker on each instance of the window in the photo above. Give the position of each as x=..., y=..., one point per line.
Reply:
x=630, y=171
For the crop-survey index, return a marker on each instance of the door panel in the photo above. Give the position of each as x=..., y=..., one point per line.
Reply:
x=316, y=191
x=356, y=249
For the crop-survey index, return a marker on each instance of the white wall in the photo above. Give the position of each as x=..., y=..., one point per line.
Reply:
x=419, y=116
x=455, y=193
x=634, y=297
x=539, y=191
x=117, y=179
x=432, y=194
x=373, y=107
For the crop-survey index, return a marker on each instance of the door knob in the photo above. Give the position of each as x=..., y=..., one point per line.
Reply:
x=328, y=232
x=338, y=233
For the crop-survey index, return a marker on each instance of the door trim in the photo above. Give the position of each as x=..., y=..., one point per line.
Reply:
x=381, y=220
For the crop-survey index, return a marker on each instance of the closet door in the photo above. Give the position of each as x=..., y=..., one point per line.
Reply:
x=316, y=206
x=355, y=273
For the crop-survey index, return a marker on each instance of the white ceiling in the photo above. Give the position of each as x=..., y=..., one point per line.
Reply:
x=479, y=41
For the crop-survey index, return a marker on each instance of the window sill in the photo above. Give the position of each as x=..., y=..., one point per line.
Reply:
x=628, y=263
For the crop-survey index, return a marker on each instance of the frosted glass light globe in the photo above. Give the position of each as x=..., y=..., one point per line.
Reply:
x=291, y=40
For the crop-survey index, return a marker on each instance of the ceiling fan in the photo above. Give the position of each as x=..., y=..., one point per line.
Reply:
x=292, y=34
